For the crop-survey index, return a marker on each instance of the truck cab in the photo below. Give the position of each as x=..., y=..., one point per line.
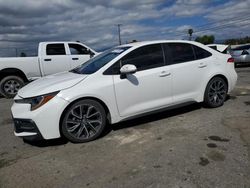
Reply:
x=53, y=57
x=62, y=56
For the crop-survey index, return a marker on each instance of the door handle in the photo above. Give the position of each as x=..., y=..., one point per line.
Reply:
x=164, y=73
x=75, y=58
x=202, y=65
x=47, y=59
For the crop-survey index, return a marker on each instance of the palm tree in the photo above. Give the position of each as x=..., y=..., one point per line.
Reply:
x=190, y=32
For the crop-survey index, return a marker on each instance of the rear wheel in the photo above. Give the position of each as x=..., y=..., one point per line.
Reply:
x=84, y=121
x=10, y=85
x=216, y=92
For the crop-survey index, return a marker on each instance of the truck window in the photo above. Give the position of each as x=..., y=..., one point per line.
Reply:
x=76, y=49
x=55, y=49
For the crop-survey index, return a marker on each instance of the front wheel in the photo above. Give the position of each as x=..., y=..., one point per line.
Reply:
x=84, y=121
x=10, y=85
x=215, y=93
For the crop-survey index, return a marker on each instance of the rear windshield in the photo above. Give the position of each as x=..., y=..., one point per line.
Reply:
x=246, y=47
x=99, y=61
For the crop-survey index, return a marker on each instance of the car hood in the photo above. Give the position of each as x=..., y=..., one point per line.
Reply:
x=51, y=84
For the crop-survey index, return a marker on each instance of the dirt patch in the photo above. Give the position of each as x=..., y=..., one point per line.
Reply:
x=178, y=132
x=216, y=156
x=203, y=161
x=6, y=121
x=247, y=103
x=3, y=153
x=211, y=145
x=240, y=91
x=242, y=124
x=5, y=162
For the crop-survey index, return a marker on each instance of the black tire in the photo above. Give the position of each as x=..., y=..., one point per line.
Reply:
x=10, y=85
x=83, y=121
x=215, y=93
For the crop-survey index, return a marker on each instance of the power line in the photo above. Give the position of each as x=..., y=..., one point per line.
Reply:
x=218, y=27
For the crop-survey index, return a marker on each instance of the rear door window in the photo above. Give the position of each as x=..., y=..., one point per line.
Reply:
x=201, y=53
x=55, y=49
x=181, y=52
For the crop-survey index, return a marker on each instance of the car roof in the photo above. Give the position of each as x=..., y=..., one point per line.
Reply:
x=142, y=43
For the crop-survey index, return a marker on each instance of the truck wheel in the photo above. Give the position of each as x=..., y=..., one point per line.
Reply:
x=10, y=85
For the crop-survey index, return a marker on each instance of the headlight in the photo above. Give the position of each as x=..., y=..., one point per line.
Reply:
x=37, y=101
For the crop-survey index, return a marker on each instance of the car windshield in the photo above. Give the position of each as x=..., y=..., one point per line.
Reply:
x=99, y=61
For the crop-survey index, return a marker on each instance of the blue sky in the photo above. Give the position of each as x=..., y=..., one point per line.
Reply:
x=24, y=23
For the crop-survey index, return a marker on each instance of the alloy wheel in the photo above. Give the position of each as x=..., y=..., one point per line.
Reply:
x=84, y=121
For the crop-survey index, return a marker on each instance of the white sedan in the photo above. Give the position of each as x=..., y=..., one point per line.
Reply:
x=122, y=83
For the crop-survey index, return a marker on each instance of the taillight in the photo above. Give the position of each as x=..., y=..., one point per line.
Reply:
x=245, y=52
x=230, y=60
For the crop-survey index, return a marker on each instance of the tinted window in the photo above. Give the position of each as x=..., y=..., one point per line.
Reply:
x=55, y=49
x=76, y=49
x=99, y=61
x=213, y=47
x=201, y=53
x=246, y=47
x=181, y=52
x=146, y=57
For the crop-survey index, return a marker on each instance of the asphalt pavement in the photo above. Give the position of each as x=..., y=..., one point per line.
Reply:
x=187, y=147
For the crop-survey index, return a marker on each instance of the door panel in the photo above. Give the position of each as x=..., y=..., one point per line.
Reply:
x=55, y=60
x=78, y=54
x=187, y=80
x=189, y=66
x=143, y=91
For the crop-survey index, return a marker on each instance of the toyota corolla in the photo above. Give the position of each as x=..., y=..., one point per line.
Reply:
x=122, y=83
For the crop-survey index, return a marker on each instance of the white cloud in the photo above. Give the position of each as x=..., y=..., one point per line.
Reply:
x=26, y=22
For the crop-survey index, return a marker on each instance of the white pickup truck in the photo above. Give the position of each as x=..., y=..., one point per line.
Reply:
x=53, y=57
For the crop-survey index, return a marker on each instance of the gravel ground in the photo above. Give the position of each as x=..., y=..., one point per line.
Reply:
x=186, y=147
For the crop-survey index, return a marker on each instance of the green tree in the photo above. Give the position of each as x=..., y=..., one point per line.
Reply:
x=205, y=39
x=238, y=40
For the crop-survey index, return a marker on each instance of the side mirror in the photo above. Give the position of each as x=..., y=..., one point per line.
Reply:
x=128, y=69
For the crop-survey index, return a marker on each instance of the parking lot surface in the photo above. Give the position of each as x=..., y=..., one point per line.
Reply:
x=187, y=147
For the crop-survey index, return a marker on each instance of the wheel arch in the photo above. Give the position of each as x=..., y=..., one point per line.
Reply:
x=12, y=72
x=213, y=76
x=220, y=76
x=83, y=98
x=205, y=83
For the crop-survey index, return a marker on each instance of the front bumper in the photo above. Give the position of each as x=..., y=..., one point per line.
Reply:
x=42, y=123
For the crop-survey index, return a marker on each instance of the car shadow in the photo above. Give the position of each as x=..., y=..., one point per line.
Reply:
x=123, y=125
x=47, y=143
x=153, y=117
x=242, y=65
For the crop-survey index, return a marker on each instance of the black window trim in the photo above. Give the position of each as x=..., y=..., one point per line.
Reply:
x=196, y=59
x=170, y=57
x=109, y=70
x=71, y=43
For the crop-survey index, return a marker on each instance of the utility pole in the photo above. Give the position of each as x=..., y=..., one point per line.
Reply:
x=119, y=33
